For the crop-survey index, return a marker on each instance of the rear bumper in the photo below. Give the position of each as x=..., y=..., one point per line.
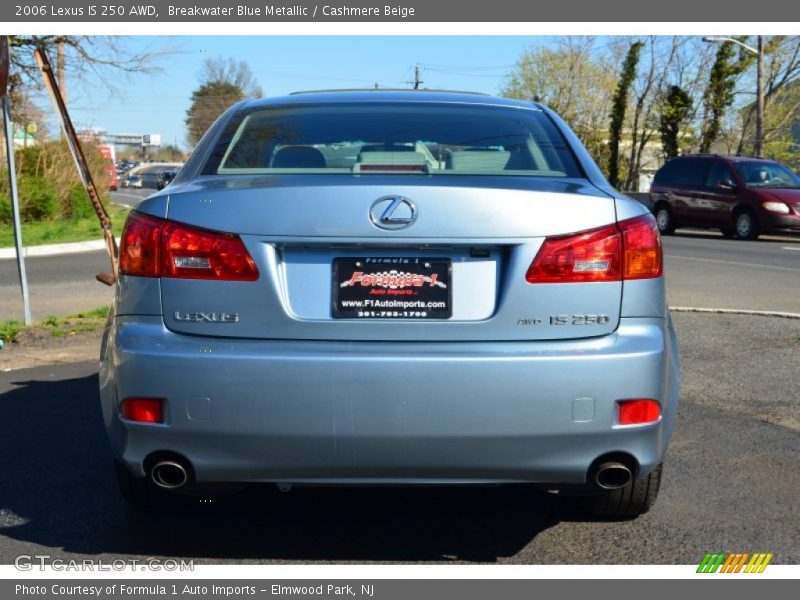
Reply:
x=389, y=412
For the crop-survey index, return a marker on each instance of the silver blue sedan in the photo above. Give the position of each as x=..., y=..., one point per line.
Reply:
x=386, y=287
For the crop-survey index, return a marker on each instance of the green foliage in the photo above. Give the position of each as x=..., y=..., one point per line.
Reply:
x=575, y=82
x=209, y=101
x=49, y=185
x=37, y=198
x=619, y=107
x=719, y=93
x=9, y=330
x=675, y=110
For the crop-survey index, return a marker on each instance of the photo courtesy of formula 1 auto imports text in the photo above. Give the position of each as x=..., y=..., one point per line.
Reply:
x=448, y=299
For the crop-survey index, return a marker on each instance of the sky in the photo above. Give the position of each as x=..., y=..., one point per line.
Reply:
x=157, y=102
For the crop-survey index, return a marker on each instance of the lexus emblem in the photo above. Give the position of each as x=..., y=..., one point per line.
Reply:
x=393, y=212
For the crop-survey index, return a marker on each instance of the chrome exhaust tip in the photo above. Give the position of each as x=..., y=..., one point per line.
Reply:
x=612, y=476
x=169, y=475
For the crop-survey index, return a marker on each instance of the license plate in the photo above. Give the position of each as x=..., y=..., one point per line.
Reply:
x=392, y=288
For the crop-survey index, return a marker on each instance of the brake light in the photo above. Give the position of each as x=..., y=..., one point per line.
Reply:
x=630, y=249
x=153, y=247
x=642, y=244
x=637, y=412
x=143, y=410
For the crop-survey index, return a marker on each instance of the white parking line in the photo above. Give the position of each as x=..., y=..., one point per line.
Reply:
x=736, y=311
x=790, y=248
x=732, y=262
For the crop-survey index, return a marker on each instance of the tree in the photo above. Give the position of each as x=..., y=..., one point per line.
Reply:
x=675, y=110
x=93, y=54
x=720, y=92
x=574, y=80
x=620, y=105
x=223, y=83
x=781, y=99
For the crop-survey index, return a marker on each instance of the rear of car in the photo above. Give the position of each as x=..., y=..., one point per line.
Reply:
x=391, y=288
x=742, y=197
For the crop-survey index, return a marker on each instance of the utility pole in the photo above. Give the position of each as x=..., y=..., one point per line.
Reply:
x=760, y=99
x=417, y=81
x=8, y=129
x=62, y=74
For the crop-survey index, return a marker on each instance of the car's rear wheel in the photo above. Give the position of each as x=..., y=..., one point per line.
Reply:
x=627, y=502
x=745, y=225
x=664, y=220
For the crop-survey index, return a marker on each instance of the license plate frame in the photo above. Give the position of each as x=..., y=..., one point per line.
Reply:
x=392, y=288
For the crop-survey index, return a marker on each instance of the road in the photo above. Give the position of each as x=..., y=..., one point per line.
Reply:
x=702, y=269
x=731, y=482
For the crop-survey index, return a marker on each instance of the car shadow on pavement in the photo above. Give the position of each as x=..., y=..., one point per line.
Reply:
x=59, y=493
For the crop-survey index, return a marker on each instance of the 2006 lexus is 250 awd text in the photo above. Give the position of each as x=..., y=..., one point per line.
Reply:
x=391, y=287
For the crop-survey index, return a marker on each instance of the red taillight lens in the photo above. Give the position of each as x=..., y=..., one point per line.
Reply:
x=642, y=244
x=143, y=410
x=630, y=249
x=154, y=247
x=636, y=412
x=138, y=253
x=191, y=253
x=593, y=255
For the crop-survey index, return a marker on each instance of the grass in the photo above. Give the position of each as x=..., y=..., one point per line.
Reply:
x=9, y=330
x=82, y=322
x=58, y=232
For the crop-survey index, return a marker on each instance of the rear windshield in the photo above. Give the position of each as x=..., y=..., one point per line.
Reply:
x=407, y=138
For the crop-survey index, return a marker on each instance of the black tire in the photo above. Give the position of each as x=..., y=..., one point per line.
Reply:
x=142, y=495
x=664, y=220
x=745, y=225
x=630, y=501
x=728, y=232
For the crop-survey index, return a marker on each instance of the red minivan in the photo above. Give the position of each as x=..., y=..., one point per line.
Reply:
x=741, y=196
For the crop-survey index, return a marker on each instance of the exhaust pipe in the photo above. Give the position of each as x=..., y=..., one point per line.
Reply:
x=169, y=475
x=612, y=475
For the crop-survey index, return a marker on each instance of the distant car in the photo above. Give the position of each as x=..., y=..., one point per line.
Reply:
x=165, y=178
x=742, y=197
x=384, y=287
x=133, y=181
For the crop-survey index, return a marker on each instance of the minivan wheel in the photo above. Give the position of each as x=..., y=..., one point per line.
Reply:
x=745, y=225
x=664, y=220
x=627, y=502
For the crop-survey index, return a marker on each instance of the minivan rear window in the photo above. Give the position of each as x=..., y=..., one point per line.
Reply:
x=392, y=138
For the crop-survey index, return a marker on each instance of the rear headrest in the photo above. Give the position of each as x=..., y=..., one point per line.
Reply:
x=298, y=157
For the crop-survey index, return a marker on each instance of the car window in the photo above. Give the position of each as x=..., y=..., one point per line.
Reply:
x=666, y=174
x=720, y=176
x=764, y=174
x=397, y=138
x=691, y=173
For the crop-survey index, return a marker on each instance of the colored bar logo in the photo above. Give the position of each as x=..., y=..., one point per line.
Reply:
x=738, y=562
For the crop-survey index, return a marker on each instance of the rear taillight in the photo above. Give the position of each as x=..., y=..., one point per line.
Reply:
x=143, y=410
x=637, y=412
x=642, y=245
x=630, y=249
x=153, y=247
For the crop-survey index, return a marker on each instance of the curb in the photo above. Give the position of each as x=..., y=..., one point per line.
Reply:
x=737, y=311
x=55, y=249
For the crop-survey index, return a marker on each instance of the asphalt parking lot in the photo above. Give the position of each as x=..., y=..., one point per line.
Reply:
x=731, y=482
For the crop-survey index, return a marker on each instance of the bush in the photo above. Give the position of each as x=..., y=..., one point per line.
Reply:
x=77, y=205
x=38, y=199
x=49, y=185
